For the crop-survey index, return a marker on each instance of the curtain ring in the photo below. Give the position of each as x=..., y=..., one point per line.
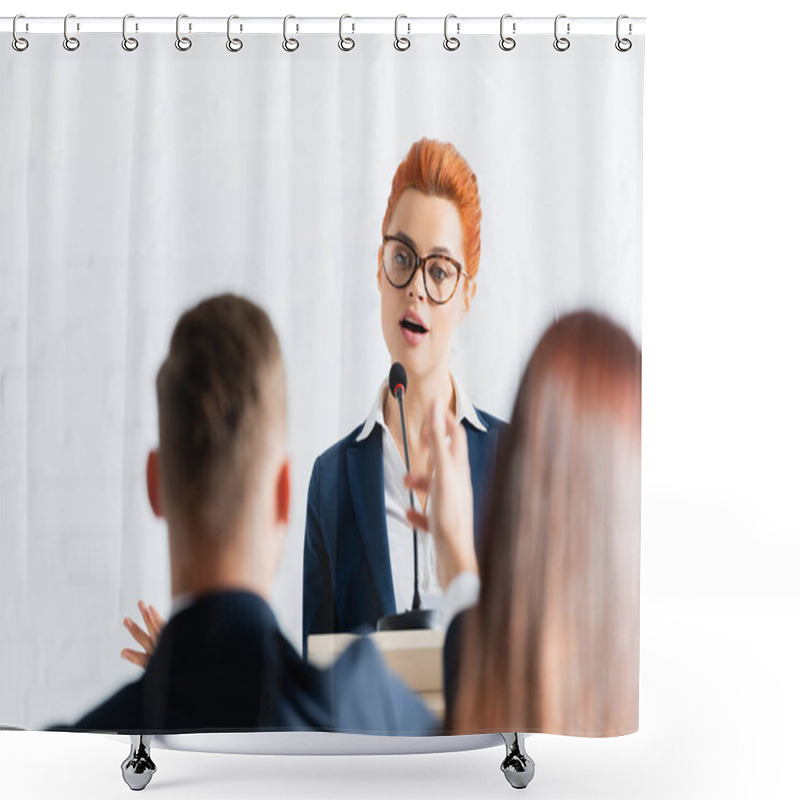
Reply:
x=507, y=42
x=401, y=42
x=183, y=43
x=18, y=43
x=233, y=44
x=561, y=43
x=345, y=42
x=70, y=42
x=623, y=45
x=451, y=42
x=129, y=43
x=289, y=45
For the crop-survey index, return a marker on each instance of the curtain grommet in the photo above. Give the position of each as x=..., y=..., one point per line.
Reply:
x=19, y=43
x=183, y=43
x=561, y=43
x=346, y=43
x=71, y=43
x=401, y=43
x=233, y=44
x=451, y=43
x=507, y=43
x=129, y=43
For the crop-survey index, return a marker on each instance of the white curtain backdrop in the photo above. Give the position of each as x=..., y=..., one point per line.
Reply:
x=135, y=184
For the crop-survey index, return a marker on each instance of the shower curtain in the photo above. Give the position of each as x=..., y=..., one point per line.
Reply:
x=137, y=182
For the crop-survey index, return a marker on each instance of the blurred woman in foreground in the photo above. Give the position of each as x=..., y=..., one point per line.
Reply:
x=553, y=643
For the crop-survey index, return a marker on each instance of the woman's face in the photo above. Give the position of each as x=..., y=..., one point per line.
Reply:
x=429, y=224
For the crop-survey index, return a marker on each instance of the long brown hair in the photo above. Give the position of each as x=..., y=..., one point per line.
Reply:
x=553, y=645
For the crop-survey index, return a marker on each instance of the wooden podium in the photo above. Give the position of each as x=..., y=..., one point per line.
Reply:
x=414, y=656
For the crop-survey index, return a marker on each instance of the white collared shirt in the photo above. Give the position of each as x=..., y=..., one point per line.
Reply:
x=462, y=593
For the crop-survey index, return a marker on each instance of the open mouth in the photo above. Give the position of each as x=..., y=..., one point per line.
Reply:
x=412, y=326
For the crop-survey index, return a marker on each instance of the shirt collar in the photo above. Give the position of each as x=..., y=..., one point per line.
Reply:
x=465, y=410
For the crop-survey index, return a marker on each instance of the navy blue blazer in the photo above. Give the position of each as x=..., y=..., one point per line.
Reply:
x=347, y=573
x=222, y=664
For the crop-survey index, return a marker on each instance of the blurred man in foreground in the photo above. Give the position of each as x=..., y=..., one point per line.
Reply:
x=221, y=480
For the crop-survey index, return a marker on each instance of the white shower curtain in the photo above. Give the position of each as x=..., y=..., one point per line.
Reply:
x=136, y=183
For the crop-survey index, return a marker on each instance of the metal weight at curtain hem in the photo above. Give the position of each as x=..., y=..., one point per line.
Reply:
x=562, y=29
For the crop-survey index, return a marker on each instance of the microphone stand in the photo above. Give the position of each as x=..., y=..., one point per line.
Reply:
x=416, y=603
x=417, y=618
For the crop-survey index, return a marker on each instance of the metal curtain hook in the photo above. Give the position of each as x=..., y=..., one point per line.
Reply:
x=507, y=42
x=233, y=44
x=289, y=45
x=401, y=42
x=345, y=42
x=18, y=43
x=623, y=45
x=561, y=43
x=181, y=42
x=129, y=43
x=70, y=42
x=451, y=42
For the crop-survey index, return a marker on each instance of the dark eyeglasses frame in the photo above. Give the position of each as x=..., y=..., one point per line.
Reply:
x=421, y=262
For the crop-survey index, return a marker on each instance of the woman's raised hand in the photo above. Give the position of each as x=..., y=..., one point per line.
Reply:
x=449, y=488
x=147, y=640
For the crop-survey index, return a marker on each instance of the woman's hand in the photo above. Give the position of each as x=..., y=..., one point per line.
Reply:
x=449, y=490
x=149, y=640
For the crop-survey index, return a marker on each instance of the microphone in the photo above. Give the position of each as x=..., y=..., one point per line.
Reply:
x=417, y=617
x=398, y=383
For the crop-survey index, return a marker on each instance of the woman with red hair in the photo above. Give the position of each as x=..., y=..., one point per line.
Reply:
x=358, y=559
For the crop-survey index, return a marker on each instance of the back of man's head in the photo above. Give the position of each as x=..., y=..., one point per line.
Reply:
x=222, y=414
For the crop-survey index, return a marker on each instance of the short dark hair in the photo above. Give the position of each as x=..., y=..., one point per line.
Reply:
x=221, y=404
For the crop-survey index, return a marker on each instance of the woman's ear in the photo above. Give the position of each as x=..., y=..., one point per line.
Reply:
x=469, y=293
x=154, y=483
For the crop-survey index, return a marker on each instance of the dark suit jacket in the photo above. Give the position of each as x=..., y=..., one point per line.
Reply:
x=222, y=664
x=450, y=658
x=347, y=573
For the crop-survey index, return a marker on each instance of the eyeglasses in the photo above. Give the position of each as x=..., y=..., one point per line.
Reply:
x=440, y=273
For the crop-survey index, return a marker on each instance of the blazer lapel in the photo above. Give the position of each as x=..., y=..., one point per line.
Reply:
x=365, y=476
